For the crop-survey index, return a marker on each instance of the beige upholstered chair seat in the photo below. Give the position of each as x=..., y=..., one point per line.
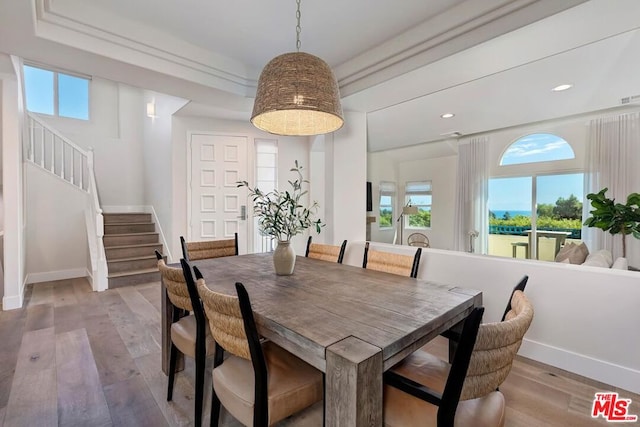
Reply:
x=404, y=410
x=183, y=335
x=234, y=384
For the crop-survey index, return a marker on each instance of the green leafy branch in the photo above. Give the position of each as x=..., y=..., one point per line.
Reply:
x=281, y=214
x=616, y=218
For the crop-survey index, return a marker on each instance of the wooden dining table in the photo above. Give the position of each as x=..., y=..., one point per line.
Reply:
x=350, y=323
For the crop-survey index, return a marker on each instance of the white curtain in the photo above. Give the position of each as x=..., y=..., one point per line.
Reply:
x=472, y=195
x=612, y=162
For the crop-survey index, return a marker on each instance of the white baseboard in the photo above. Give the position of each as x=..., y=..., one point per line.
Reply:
x=166, y=250
x=56, y=275
x=89, y=277
x=12, y=302
x=599, y=370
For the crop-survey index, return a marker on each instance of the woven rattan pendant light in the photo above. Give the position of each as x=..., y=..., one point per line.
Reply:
x=297, y=95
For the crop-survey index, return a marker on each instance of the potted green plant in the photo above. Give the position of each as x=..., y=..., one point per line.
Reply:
x=616, y=218
x=282, y=215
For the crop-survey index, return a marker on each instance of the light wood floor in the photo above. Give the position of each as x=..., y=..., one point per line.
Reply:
x=78, y=358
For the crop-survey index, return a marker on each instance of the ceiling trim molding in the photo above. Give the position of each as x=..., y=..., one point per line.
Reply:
x=468, y=24
x=176, y=58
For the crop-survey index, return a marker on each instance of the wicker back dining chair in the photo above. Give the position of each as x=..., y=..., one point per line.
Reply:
x=418, y=239
x=189, y=333
x=403, y=265
x=325, y=252
x=258, y=382
x=424, y=389
x=193, y=251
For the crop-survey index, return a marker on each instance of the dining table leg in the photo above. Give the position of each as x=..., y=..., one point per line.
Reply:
x=353, y=393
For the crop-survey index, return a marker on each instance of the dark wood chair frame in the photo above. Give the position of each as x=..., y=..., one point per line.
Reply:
x=176, y=314
x=185, y=251
x=343, y=247
x=414, y=267
x=260, y=403
x=201, y=344
x=519, y=287
x=453, y=334
x=447, y=402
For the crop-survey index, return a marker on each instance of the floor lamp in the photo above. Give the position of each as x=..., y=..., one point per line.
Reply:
x=406, y=210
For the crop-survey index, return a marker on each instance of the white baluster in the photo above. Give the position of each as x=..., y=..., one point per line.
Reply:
x=42, y=148
x=53, y=154
x=81, y=171
x=62, y=171
x=73, y=164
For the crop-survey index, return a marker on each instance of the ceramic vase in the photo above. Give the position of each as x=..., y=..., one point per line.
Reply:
x=284, y=258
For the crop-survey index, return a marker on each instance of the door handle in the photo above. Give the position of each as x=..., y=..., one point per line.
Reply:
x=243, y=212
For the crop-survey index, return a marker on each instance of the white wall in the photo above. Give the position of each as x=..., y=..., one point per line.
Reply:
x=586, y=318
x=346, y=164
x=157, y=140
x=12, y=172
x=115, y=132
x=55, y=231
x=289, y=150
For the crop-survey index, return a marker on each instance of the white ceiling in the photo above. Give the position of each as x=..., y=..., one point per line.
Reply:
x=491, y=62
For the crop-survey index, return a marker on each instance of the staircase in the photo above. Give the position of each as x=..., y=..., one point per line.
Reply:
x=129, y=243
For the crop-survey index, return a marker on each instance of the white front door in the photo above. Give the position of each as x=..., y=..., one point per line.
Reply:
x=217, y=207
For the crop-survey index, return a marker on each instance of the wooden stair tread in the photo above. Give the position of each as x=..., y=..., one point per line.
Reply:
x=133, y=272
x=137, y=245
x=143, y=233
x=132, y=258
x=130, y=223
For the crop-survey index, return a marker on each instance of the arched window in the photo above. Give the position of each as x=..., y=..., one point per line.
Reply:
x=537, y=147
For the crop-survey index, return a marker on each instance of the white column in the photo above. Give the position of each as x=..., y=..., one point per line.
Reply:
x=346, y=172
x=12, y=178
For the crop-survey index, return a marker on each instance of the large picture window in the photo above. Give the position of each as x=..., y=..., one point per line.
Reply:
x=533, y=215
x=55, y=93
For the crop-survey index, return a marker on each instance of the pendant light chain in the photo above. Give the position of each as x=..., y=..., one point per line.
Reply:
x=298, y=29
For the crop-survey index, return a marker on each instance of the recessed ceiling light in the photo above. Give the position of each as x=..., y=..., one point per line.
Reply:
x=561, y=88
x=447, y=115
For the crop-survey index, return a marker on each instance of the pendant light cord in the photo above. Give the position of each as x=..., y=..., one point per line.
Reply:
x=298, y=29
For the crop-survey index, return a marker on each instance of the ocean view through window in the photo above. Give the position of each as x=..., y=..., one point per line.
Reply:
x=529, y=215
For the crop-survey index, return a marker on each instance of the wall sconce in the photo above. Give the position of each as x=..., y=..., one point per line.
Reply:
x=151, y=109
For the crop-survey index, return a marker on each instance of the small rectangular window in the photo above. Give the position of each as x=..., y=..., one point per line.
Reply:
x=55, y=93
x=418, y=193
x=266, y=180
x=387, y=198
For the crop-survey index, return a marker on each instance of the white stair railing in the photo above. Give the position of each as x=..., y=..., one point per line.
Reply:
x=58, y=155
